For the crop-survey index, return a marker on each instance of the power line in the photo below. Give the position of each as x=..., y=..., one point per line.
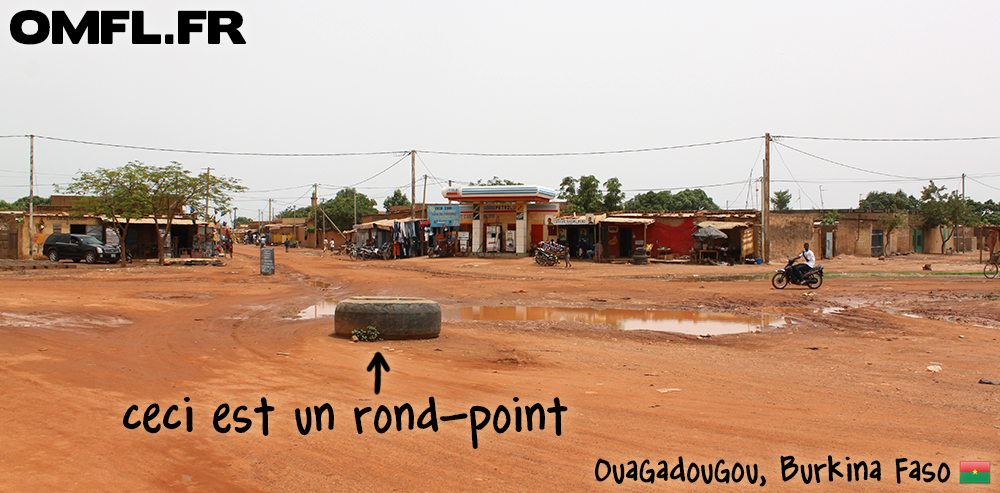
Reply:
x=847, y=139
x=682, y=188
x=588, y=153
x=801, y=192
x=223, y=153
x=844, y=165
x=981, y=183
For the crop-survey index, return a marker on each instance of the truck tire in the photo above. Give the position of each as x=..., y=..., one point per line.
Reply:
x=394, y=318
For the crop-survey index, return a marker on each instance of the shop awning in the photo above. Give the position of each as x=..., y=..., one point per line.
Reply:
x=721, y=225
x=628, y=220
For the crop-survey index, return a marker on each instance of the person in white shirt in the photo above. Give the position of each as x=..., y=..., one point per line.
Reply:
x=810, y=262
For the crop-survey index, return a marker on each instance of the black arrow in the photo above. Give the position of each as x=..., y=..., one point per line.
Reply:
x=378, y=362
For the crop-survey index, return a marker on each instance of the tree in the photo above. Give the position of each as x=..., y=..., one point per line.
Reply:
x=22, y=203
x=687, y=200
x=897, y=202
x=120, y=194
x=583, y=195
x=781, y=199
x=691, y=200
x=243, y=220
x=986, y=212
x=613, y=196
x=650, y=201
x=495, y=181
x=830, y=218
x=395, y=200
x=172, y=187
x=341, y=207
x=944, y=211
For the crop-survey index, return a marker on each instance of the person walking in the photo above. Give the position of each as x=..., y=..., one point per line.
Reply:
x=287, y=243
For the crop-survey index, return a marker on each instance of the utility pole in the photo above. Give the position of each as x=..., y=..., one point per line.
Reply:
x=270, y=210
x=208, y=179
x=31, y=202
x=315, y=216
x=765, y=200
x=963, y=226
x=821, y=205
x=413, y=182
x=355, y=207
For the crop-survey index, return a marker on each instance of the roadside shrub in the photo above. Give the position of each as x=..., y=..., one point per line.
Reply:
x=367, y=334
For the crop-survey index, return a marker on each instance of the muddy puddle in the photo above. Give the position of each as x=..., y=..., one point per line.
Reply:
x=682, y=321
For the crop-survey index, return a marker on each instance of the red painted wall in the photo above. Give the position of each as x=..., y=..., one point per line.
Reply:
x=677, y=238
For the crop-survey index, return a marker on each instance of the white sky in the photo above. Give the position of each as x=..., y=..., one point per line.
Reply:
x=521, y=77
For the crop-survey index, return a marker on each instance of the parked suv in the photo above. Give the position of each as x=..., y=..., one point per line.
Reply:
x=79, y=247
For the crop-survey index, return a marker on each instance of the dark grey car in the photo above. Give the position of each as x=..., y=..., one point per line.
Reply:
x=79, y=247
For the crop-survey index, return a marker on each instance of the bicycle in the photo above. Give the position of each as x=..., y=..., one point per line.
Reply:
x=992, y=266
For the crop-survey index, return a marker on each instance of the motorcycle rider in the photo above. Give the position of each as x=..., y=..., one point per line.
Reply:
x=810, y=262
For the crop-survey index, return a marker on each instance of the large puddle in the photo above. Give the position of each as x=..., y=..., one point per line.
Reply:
x=683, y=321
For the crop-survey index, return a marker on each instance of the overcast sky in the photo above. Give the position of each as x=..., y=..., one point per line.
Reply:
x=521, y=77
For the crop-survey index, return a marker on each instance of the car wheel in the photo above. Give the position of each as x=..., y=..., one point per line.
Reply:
x=53, y=255
x=90, y=257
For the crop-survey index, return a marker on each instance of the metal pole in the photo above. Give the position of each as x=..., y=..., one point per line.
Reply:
x=31, y=202
x=208, y=179
x=413, y=182
x=765, y=202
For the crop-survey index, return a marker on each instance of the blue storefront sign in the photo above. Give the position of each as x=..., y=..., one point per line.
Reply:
x=443, y=215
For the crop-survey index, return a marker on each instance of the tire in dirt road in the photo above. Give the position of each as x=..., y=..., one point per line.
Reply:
x=815, y=281
x=394, y=318
x=779, y=281
x=991, y=270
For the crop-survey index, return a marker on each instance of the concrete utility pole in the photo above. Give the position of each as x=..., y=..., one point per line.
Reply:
x=270, y=211
x=821, y=205
x=765, y=202
x=31, y=201
x=315, y=216
x=413, y=183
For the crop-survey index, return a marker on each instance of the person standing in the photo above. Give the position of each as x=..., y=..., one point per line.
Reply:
x=287, y=243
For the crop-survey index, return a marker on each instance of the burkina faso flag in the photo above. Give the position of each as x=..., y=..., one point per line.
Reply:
x=974, y=472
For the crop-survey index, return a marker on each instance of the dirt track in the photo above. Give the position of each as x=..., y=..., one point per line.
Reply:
x=79, y=346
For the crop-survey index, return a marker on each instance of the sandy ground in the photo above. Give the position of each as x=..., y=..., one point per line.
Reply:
x=79, y=346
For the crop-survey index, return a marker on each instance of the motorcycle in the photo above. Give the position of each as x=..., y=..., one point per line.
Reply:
x=812, y=277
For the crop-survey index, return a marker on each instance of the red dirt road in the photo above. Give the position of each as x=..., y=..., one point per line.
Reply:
x=78, y=347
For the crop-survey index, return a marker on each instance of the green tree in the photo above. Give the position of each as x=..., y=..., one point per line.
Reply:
x=22, y=203
x=171, y=188
x=243, y=220
x=944, y=211
x=686, y=200
x=395, y=200
x=830, y=218
x=986, y=212
x=691, y=200
x=583, y=195
x=120, y=194
x=650, y=201
x=781, y=199
x=897, y=202
x=614, y=198
x=341, y=208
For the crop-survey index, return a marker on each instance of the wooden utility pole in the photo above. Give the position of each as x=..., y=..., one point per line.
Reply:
x=765, y=200
x=31, y=201
x=413, y=183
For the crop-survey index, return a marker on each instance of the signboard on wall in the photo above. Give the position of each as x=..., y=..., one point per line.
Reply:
x=444, y=215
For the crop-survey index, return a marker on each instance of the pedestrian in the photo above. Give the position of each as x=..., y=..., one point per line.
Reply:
x=326, y=244
x=287, y=243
